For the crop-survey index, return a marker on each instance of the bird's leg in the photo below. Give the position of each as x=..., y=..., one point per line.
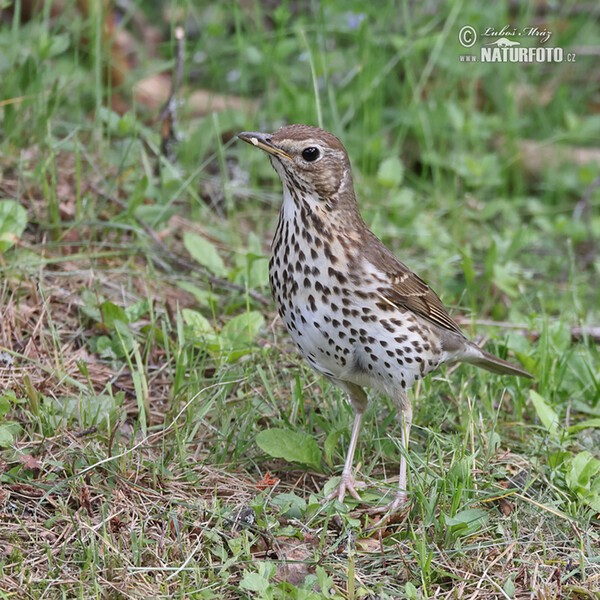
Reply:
x=347, y=482
x=400, y=497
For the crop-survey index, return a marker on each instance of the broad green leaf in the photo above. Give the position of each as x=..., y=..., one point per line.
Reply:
x=8, y=432
x=5, y=404
x=254, y=582
x=201, y=328
x=238, y=333
x=242, y=329
x=205, y=253
x=112, y=313
x=411, y=591
x=294, y=505
x=509, y=587
x=467, y=522
x=290, y=445
x=545, y=412
x=13, y=219
x=198, y=322
x=137, y=311
x=583, y=478
x=390, y=172
x=203, y=296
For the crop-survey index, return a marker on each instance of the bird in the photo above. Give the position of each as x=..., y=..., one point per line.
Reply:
x=358, y=315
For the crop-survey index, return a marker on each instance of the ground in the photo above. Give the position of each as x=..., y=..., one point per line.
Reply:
x=159, y=436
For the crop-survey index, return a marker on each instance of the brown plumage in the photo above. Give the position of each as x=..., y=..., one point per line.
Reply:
x=358, y=315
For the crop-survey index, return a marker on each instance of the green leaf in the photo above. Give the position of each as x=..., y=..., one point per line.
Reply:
x=509, y=587
x=467, y=522
x=203, y=296
x=290, y=445
x=111, y=313
x=584, y=425
x=583, y=478
x=5, y=404
x=390, y=172
x=254, y=582
x=545, y=412
x=137, y=311
x=411, y=591
x=330, y=444
x=293, y=505
x=242, y=329
x=205, y=253
x=238, y=333
x=13, y=219
x=8, y=432
x=201, y=328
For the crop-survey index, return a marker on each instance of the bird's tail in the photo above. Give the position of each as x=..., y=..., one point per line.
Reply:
x=492, y=363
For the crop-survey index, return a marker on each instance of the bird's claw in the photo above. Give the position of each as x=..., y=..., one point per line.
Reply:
x=347, y=484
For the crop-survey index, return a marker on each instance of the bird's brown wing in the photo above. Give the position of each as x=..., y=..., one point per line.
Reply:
x=407, y=290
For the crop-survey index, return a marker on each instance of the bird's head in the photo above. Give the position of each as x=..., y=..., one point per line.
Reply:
x=308, y=160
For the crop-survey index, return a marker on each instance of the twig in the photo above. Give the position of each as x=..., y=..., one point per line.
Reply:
x=168, y=113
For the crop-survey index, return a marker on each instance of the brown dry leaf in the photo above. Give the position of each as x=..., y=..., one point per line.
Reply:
x=30, y=462
x=297, y=558
x=369, y=544
x=506, y=506
x=536, y=157
x=153, y=92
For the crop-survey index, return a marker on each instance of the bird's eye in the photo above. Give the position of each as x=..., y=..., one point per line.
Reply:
x=310, y=154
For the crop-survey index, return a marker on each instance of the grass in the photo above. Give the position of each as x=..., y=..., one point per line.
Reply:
x=140, y=355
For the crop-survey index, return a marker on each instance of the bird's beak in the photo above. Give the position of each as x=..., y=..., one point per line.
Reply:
x=263, y=141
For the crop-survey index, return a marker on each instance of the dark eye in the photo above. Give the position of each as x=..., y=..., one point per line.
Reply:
x=310, y=154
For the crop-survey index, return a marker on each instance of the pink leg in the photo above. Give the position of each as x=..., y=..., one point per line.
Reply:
x=347, y=482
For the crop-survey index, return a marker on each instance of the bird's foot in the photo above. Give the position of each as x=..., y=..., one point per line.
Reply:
x=347, y=484
x=391, y=507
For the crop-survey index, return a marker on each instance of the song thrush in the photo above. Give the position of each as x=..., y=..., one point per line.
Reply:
x=357, y=314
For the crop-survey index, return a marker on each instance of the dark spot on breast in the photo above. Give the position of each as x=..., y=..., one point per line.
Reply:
x=330, y=255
